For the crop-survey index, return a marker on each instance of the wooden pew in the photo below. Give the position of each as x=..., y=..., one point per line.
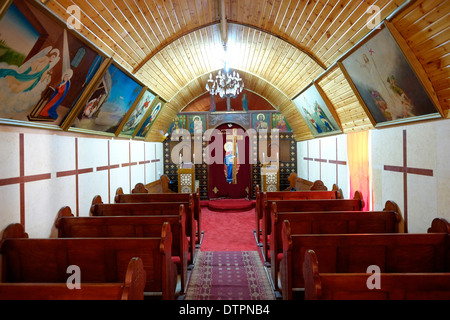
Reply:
x=101, y=260
x=132, y=288
x=354, y=253
x=192, y=202
x=299, y=184
x=316, y=202
x=158, y=186
x=353, y=286
x=69, y=226
x=330, y=222
x=317, y=191
x=98, y=208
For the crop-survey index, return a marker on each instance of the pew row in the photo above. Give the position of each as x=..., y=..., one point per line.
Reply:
x=98, y=208
x=192, y=200
x=69, y=226
x=100, y=260
x=304, y=205
x=354, y=286
x=316, y=191
x=132, y=288
x=330, y=222
x=158, y=186
x=354, y=253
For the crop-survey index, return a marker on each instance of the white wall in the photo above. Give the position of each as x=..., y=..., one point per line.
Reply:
x=326, y=149
x=428, y=147
x=55, y=155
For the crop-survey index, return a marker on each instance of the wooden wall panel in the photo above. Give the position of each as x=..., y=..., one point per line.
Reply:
x=348, y=108
x=425, y=26
x=279, y=46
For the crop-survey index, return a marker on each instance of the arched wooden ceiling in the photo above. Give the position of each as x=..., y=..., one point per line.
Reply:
x=279, y=47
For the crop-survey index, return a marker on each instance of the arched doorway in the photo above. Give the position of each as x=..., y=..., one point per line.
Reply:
x=219, y=187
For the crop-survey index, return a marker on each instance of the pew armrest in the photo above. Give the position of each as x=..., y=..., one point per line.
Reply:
x=313, y=285
x=286, y=262
x=134, y=280
x=439, y=225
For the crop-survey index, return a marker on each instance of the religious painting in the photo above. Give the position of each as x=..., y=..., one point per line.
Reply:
x=44, y=67
x=230, y=172
x=261, y=121
x=386, y=83
x=279, y=122
x=316, y=112
x=143, y=108
x=145, y=128
x=109, y=102
x=197, y=123
x=178, y=123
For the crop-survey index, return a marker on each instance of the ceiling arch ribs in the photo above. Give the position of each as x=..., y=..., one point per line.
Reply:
x=273, y=59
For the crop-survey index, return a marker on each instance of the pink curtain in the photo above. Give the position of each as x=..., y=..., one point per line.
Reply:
x=359, y=167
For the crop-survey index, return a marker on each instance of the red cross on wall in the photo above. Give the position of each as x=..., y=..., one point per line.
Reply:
x=22, y=178
x=337, y=163
x=320, y=160
x=109, y=167
x=75, y=173
x=307, y=158
x=129, y=164
x=155, y=161
x=407, y=170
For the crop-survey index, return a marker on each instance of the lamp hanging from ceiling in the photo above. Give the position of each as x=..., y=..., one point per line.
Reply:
x=225, y=84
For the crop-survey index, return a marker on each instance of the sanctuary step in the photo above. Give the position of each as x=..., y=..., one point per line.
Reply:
x=229, y=204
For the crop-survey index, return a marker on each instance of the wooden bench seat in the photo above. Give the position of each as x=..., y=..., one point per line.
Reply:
x=355, y=204
x=69, y=226
x=353, y=286
x=192, y=203
x=354, y=253
x=98, y=208
x=131, y=289
x=262, y=197
x=101, y=260
x=330, y=222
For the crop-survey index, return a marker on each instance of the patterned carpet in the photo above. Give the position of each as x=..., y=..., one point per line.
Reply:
x=230, y=275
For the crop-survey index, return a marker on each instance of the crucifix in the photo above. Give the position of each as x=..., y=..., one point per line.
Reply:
x=231, y=156
x=337, y=163
x=405, y=170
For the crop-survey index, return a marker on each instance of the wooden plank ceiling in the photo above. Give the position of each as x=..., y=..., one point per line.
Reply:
x=278, y=47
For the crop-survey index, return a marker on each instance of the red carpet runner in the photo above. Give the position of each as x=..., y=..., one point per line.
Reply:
x=228, y=231
x=229, y=275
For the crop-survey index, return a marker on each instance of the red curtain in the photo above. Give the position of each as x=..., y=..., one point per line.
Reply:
x=218, y=185
x=359, y=166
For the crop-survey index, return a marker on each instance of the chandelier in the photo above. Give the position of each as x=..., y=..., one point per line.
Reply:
x=225, y=84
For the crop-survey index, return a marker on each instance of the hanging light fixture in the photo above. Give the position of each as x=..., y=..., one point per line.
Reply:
x=225, y=84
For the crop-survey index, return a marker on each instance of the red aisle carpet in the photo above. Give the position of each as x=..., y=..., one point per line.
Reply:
x=228, y=230
x=229, y=276
x=234, y=205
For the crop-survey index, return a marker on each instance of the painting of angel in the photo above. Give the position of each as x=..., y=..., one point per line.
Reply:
x=39, y=79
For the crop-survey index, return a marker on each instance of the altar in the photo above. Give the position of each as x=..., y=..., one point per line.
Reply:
x=255, y=132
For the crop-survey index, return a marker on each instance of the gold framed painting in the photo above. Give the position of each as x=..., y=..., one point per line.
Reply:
x=45, y=67
x=385, y=79
x=108, y=104
x=317, y=111
x=143, y=129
